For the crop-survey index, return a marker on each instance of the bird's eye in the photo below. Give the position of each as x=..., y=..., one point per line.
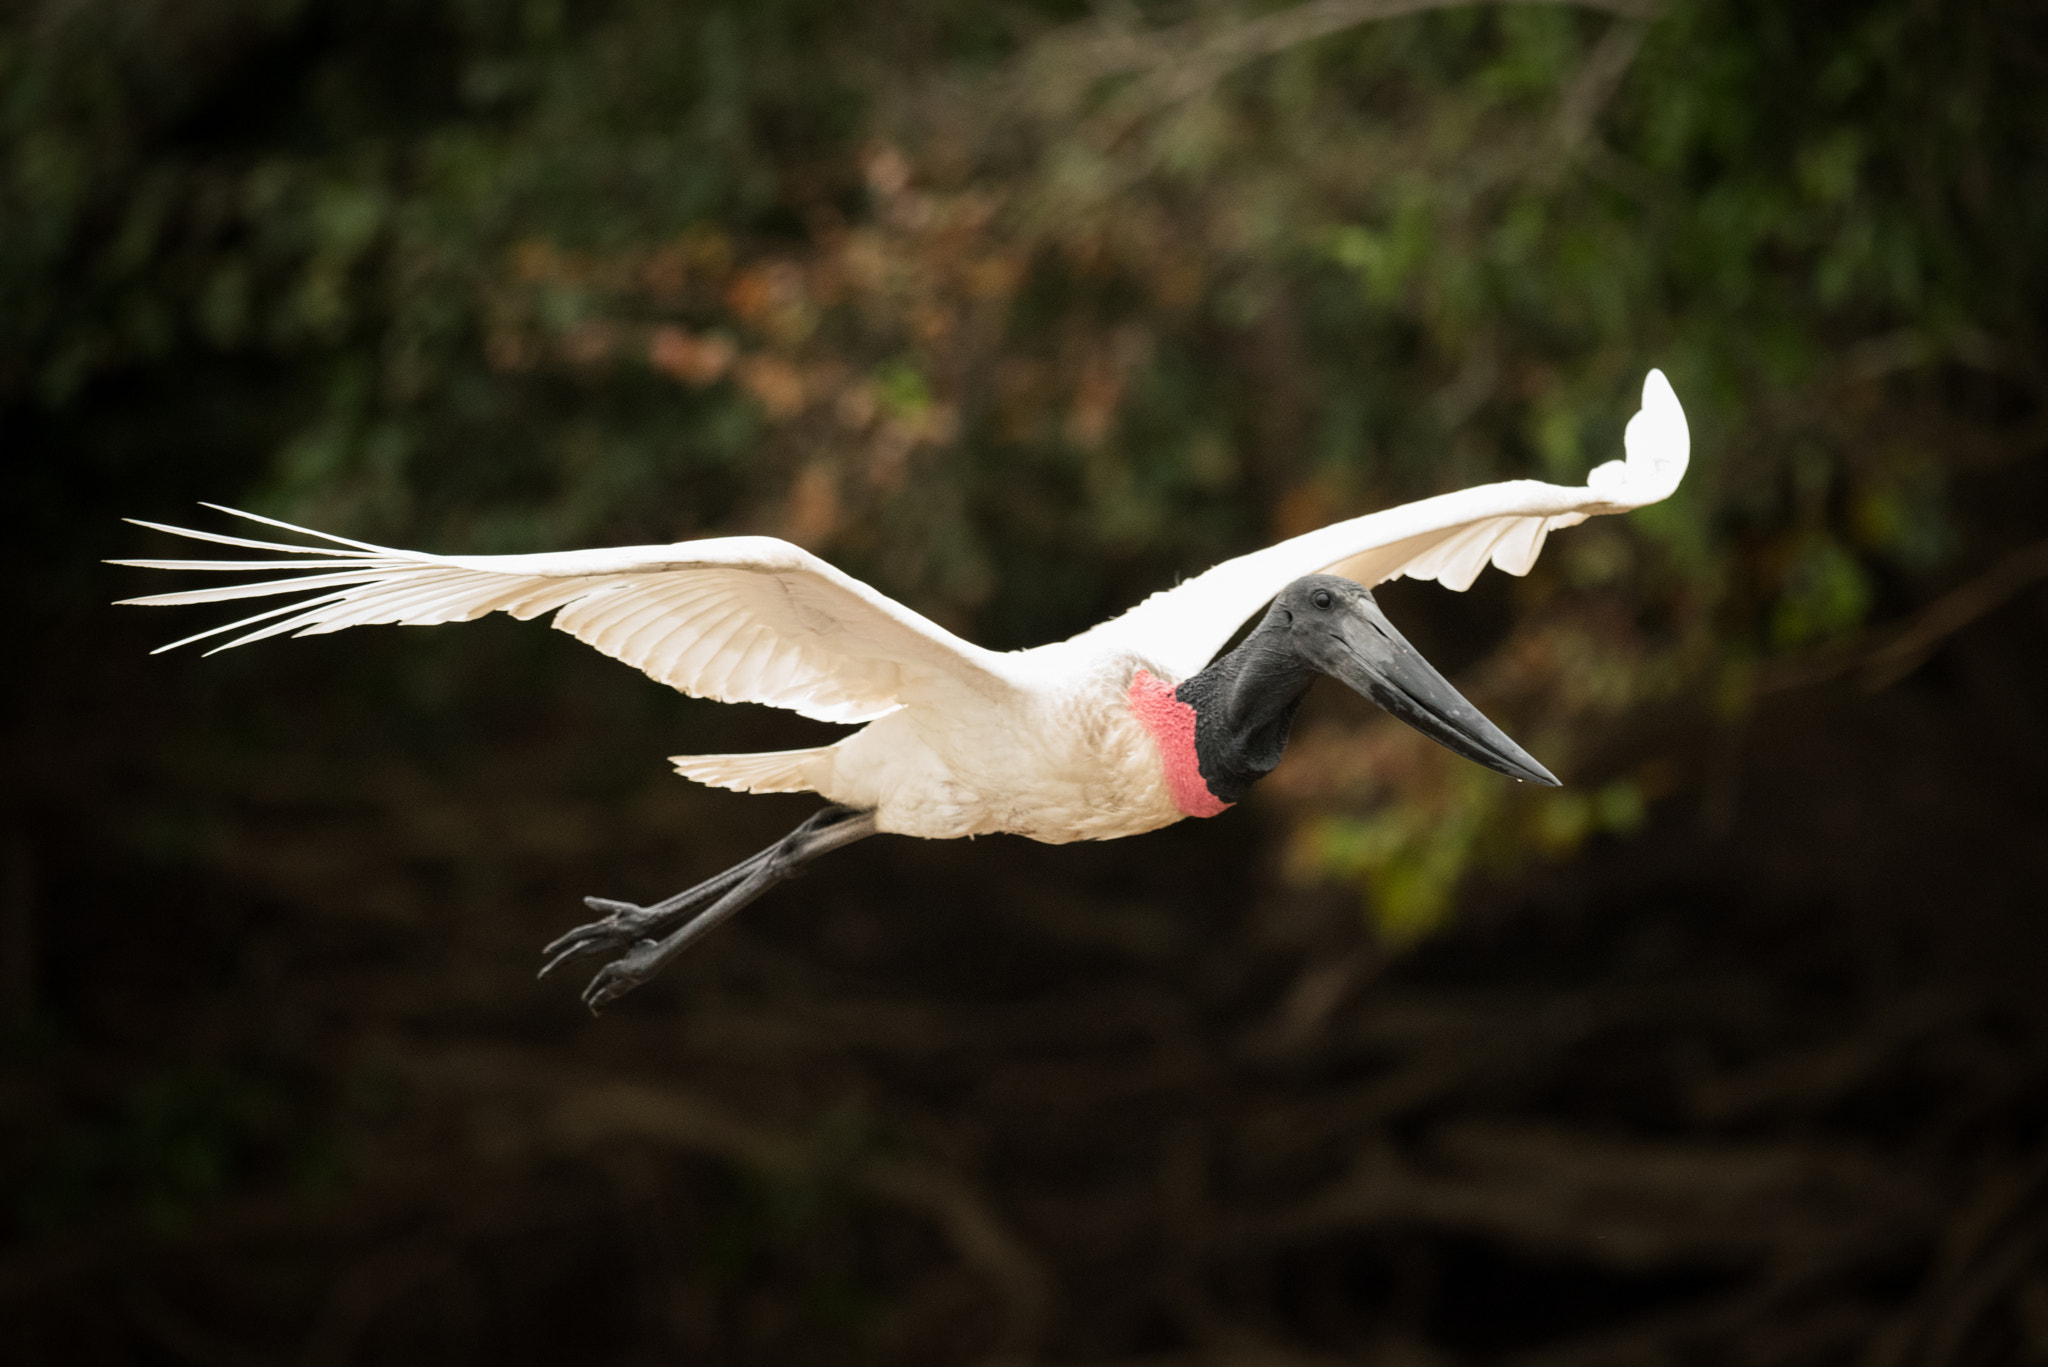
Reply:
x=1321, y=598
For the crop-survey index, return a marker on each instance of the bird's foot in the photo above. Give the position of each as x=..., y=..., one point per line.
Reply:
x=627, y=926
x=625, y=973
x=624, y=926
x=649, y=936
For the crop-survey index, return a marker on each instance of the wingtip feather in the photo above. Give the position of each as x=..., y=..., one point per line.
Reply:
x=302, y=531
x=222, y=540
x=1658, y=443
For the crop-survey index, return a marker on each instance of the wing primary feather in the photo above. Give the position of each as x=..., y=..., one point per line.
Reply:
x=239, y=565
x=362, y=603
x=220, y=540
x=393, y=602
x=1474, y=554
x=290, y=624
x=544, y=595
x=1516, y=552
x=324, y=536
x=241, y=622
x=518, y=591
x=228, y=593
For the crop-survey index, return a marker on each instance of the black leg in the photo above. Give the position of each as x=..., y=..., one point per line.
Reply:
x=626, y=923
x=632, y=928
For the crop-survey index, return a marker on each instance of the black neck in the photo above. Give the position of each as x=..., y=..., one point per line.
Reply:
x=1244, y=703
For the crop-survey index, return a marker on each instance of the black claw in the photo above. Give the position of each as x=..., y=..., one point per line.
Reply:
x=602, y=991
x=573, y=952
x=564, y=944
x=618, y=977
x=623, y=924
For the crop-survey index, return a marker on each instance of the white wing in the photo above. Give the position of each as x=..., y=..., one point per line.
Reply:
x=1449, y=538
x=739, y=619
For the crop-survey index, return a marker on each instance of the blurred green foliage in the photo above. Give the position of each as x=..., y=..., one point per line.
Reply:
x=179, y=1140
x=1022, y=312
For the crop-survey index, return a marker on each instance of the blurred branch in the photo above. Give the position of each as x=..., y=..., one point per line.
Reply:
x=1888, y=661
x=1831, y=1070
x=1172, y=65
x=582, y=1114
x=1596, y=82
x=1629, y=1205
x=1989, y=1248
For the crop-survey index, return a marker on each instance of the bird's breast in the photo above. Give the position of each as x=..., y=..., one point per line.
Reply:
x=1091, y=755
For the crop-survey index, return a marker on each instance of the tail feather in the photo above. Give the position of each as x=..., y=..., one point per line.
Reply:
x=774, y=771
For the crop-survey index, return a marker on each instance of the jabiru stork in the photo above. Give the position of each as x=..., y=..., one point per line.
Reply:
x=1125, y=728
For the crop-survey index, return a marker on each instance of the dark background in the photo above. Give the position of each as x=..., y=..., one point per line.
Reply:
x=1735, y=1050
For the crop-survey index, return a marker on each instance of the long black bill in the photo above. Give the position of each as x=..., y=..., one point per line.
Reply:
x=1382, y=665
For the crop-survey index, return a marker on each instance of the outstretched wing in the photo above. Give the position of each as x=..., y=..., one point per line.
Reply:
x=739, y=619
x=1449, y=538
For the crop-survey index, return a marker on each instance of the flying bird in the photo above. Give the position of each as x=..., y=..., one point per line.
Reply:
x=1130, y=726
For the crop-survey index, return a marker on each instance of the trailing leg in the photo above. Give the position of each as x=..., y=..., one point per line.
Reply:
x=634, y=928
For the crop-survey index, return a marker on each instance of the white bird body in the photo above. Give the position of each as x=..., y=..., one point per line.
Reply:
x=1079, y=740
x=1054, y=755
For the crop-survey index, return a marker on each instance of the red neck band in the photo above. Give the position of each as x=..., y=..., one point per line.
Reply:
x=1171, y=723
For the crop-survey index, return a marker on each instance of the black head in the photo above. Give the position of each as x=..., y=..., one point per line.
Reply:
x=1333, y=626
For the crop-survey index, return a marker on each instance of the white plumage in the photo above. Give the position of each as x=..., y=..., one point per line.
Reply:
x=959, y=740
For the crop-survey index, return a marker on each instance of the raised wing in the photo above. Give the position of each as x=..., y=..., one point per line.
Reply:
x=739, y=619
x=1449, y=538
